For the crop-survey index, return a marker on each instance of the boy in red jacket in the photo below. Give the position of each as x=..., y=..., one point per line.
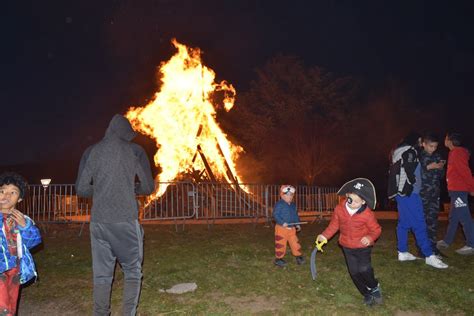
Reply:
x=359, y=229
x=460, y=184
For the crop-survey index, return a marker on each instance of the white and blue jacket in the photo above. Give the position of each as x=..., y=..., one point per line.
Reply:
x=27, y=238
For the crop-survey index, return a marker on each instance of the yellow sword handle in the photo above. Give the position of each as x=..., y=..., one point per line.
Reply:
x=320, y=244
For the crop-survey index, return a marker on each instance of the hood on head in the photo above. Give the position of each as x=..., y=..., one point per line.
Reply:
x=120, y=127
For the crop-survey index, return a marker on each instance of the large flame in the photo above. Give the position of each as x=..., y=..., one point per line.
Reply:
x=181, y=119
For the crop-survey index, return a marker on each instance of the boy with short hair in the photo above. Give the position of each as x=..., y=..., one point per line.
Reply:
x=404, y=186
x=432, y=170
x=287, y=225
x=460, y=184
x=359, y=230
x=19, y=234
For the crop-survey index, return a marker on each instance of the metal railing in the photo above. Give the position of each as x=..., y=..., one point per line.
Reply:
x=182, y=200
x=56, y=203
x=178, y=202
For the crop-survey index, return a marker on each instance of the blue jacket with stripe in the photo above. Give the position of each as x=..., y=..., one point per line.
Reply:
x=29, y=237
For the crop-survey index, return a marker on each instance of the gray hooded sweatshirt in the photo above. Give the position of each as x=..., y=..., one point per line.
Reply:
x=107, y=173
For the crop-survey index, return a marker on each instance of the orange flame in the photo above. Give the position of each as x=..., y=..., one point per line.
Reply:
x=181, y=117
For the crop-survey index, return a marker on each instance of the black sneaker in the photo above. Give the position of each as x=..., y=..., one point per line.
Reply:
x=369, y=300
x=300, y=260
x=376, y=293
x=280, y=263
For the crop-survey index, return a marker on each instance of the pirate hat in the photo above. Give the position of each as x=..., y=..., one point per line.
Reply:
x=361, y=187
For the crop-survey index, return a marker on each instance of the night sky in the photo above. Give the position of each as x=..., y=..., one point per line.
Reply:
x=67, y=67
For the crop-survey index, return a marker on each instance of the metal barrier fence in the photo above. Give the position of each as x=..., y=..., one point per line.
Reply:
x=182, y=200
x=56, y=203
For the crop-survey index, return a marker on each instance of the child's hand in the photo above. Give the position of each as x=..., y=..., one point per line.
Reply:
x=435, y=165
x=285, y=225
x=18, y=217
x=365, y=241
x=321, y=238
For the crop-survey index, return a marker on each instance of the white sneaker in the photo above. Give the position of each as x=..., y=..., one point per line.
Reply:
x=435, y=262
x=466, y=250
x=405, y=256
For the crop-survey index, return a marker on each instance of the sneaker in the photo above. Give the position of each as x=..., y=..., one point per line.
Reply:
x=434, y=261
x=300, y=260
x=280, y=263
x=442, y=245
x=377, y=295
x=369, y=300
x=466, y=250
x=405, y=256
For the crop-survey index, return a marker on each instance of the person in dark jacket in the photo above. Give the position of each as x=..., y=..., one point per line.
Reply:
x=405, y=186
x=107, y=173
x=432, y=170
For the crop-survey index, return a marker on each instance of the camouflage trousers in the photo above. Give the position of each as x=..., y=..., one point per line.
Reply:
x=431, y=210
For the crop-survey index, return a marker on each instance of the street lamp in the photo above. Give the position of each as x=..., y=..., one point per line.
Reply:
x=45, y=183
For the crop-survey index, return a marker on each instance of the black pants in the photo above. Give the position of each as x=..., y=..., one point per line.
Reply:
x=360, y=268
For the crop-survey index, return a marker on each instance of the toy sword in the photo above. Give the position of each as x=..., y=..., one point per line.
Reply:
x=319, y=246
x=297, y=223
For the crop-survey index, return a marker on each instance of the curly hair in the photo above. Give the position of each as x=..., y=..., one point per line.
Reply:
x=15, y=179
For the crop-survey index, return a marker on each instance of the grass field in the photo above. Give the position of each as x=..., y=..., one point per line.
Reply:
x=232, y=266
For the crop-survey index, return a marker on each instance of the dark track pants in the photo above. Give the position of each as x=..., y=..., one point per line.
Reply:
x=360, y=268
x=459, y=214
x=111, y=242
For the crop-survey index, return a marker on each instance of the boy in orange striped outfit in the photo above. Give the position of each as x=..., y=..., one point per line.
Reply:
x=287, y=219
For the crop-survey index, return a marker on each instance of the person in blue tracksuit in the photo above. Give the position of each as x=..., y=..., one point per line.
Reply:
x=405, y=186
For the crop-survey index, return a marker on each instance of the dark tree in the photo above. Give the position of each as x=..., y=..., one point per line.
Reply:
x=293, y=118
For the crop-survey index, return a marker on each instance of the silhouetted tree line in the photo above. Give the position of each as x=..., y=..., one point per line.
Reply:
x=303, y=124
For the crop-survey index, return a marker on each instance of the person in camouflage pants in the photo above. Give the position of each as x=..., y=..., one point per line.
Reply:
x=432, y=170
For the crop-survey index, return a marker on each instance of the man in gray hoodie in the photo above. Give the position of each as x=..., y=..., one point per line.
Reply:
x=107, y=173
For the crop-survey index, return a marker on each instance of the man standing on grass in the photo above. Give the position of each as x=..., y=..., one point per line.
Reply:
x=460, y=184
x=107, y=173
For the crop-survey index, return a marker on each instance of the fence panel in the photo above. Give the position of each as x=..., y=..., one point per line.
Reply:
x=56, y=203
x=181, y=200
x=223, y=200
x=178, y=202
x=309, y=200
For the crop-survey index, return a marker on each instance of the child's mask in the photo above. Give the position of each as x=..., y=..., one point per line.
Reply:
x=288, y=189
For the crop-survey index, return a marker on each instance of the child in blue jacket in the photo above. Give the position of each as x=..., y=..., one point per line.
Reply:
x=287, y=225
x=19, y=234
